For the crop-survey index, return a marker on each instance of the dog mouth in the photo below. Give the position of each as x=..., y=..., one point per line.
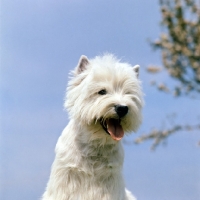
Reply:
x=113, y=128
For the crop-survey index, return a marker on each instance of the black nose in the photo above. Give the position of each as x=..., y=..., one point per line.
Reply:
x=121, y=110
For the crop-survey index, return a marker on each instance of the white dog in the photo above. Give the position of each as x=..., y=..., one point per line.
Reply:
x=104, y=101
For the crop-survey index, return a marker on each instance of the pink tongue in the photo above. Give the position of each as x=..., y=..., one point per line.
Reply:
x=115, y=129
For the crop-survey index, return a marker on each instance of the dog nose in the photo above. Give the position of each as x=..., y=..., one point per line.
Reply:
x=121, y=110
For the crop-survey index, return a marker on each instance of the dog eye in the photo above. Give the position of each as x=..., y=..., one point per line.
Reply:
x=128, y=93
x=102, y=92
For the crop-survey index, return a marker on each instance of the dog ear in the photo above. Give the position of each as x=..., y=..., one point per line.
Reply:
x=82, y=64
x=136, y=68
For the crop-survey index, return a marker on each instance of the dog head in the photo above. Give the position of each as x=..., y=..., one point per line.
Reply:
x=105, y=95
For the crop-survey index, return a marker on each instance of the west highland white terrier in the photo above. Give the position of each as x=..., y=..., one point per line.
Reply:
x=104, y=101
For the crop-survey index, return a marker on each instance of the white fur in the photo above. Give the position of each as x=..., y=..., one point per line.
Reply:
x=88, y=162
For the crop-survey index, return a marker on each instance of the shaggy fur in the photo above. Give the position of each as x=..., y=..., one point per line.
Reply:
x=104, y=101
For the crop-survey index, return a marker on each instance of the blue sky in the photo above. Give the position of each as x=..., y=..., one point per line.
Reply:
x=41, y=41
